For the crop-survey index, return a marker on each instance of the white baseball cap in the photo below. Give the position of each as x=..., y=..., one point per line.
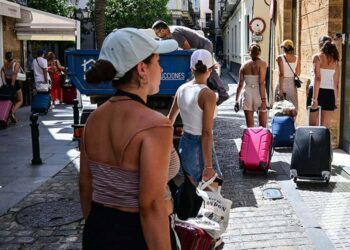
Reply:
x=127, y=47
x=204, y=56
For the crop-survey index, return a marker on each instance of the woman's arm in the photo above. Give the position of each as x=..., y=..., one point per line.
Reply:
x=240, y=84
x=207, y=102
x=15, y=72
x=281, y=75
x=174, y=110
x=85, y=181
x=317, y=80
x=336, y=81
x=262, y=86
x=298, y=66
x=59, y=66
x=154, y=168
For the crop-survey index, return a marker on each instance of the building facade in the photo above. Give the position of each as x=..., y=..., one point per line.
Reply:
x=235, y=18
x=182, y=12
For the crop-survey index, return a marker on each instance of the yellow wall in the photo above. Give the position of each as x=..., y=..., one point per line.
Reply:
x=313, y=19
x=10, y=39
x=261, y=9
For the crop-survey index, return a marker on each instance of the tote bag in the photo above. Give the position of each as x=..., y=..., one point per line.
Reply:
x=214, y=213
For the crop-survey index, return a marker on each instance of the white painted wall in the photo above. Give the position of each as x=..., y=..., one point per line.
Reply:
x=204, y=9
x=236, y=35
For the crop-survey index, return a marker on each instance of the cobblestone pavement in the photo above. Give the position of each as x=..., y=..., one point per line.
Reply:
x=255, y=222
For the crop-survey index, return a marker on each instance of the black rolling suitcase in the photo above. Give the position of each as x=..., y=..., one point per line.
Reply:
x=312, y=153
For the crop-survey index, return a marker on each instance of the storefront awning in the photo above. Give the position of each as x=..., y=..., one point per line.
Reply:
x=9, y=9
x=43, y=26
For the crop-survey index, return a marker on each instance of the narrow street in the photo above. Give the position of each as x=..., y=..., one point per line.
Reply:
x=310, y=216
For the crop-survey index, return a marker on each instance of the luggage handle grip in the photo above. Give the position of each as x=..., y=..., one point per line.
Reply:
x=319, y=108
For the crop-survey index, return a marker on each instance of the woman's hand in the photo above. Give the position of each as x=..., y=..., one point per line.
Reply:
x=208, y=172
x=280, y=93
x=263, y=106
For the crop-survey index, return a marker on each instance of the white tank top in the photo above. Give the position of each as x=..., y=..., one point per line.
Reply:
x=286, y=69
x=191, y=113
x=327, y=78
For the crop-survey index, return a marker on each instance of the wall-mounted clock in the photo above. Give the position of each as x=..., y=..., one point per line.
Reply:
x=257, y=25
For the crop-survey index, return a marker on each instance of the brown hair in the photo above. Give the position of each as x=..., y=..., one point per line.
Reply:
x=255, y=51
x=103, y=71
x=324, y=39
x=50, y=56
x=330, y=50
x=200, y=67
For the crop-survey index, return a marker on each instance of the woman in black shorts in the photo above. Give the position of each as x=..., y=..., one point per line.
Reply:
x=326, y=81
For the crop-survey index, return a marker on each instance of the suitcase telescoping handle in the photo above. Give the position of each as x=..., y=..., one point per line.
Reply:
x=319, y=108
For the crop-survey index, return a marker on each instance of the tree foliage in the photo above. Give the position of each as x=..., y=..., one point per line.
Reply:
x=133, y=13
x=58, y=7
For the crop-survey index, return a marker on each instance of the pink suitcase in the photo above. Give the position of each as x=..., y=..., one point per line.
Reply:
x=5, y=110
x=256, y=149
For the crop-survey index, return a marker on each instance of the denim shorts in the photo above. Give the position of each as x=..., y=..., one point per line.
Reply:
x=190, y=151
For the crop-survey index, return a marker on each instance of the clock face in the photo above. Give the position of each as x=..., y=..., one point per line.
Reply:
x=257, y=25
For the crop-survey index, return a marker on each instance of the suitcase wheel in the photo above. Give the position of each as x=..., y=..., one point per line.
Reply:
x=244, y=171
x=295, y=179
x=240, y=164
x=327, y=180
x=262, y=165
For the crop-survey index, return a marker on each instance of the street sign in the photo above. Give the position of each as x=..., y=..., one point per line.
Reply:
x=257, y=38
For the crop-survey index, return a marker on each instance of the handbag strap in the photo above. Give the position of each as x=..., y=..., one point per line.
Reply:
x=289, y=66
x=38, y=63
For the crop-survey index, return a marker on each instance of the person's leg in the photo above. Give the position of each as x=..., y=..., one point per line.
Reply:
x=313, y=118
x=263, y=118
x=326, y=117
x=249, y=118
x=18, y=101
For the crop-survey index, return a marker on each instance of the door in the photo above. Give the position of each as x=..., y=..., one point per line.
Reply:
x=345, y=116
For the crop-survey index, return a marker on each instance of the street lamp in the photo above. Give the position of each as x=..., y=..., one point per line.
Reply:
x=86, y=12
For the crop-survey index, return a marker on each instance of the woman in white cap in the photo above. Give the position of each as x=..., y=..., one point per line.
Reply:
x=289, y=66
x=253, y=73
x=196, y=104
x=126, y=150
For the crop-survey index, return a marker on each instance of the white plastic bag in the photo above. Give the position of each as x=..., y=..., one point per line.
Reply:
x=214, y=214
x=42, y=86
x=21, y=75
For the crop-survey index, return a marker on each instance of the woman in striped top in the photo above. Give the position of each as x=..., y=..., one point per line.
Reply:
x=126, y=150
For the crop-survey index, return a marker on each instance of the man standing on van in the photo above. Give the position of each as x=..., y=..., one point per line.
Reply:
x=189, y=39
